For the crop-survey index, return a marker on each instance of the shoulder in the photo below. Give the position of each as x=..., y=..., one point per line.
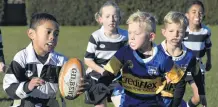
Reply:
x=20, y=57
x=125, y=48
x=190, y=54
x=161, y=54
x=96, y=34
x=59, y=57
x=206, y=29
x=160, y=47
x=123, y=51
x=123, y=32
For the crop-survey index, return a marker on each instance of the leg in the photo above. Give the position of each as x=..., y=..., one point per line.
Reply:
x=103, y=104
x=116, y=100
x=117, y=95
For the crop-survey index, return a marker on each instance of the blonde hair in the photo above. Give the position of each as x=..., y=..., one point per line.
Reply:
x=108, y=3
x=176, y=17
x=145, y=19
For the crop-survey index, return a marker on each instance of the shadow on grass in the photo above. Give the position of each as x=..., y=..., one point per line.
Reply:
x=5, y=99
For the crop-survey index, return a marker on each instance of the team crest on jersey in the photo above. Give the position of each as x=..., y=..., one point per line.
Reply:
x=130, y=64
x=152, y=70
x=183, y=67
x=102, y=45
x=29, y=73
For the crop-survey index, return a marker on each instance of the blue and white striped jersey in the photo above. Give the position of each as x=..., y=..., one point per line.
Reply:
x=199, y=41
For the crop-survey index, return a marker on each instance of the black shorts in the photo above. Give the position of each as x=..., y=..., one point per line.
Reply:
x=95, y=95
x=190, y=79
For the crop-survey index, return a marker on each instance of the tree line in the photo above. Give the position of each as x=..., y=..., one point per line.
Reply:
x=81, y=12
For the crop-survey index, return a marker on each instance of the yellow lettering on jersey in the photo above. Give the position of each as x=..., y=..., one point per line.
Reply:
x=113, y=66
x=175, y=74
x=168, y=90
x=140, y=85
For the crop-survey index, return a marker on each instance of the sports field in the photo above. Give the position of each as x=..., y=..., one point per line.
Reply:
x=72, y=43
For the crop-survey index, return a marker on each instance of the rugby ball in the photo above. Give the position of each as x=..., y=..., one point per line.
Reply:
x=70, y=78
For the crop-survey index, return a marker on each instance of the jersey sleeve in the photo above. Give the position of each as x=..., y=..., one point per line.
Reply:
x=194, y=68
x=14, y=82
x=116, y=62
x=91, y=48
x=208, y=43
x=1, y=49
x=171, y=70
x=179, y=92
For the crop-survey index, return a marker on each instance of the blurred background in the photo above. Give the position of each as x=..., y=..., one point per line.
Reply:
x=81, y=12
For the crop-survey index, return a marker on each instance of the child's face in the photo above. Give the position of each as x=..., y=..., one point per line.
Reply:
x=44, y=37
x=139, y=39
x=195, y=15
x=109, y=18
x=174, y=34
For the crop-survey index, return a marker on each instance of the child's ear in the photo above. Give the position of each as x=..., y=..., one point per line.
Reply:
x=152, y=36
x=30, y=33
x=100, y=20
x=186, y=14
x=163, y=32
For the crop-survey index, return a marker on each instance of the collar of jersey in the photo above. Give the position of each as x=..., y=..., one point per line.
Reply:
x=184, y=49
x=120, y=32
x=31, y=57
x=155, y=50
x=203, y=30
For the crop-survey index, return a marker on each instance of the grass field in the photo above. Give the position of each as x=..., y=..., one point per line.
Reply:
x=73, y=42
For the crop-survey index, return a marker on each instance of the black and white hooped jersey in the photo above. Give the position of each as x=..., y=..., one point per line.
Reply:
x=199, y=41
x=26, y=66
x=101, y=48
x=1, y=49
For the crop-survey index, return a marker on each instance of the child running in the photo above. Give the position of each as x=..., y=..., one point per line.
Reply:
x=32, y=77
x=143, y=67
x=175, y=24
x=197, y=39
x=102, y=45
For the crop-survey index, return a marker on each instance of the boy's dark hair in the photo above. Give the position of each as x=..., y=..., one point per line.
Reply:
x=195, y=2
x=36, y=18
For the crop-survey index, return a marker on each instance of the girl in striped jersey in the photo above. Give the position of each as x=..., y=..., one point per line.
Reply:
x=197, y=39
x=2, y=61
x=102, y=45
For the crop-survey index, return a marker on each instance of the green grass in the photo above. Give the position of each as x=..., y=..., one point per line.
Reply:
x=72, y=43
